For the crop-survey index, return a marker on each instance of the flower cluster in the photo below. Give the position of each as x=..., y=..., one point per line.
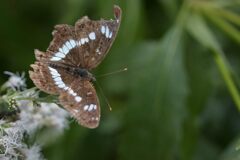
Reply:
x=29, y=117
x=15, y=81
x=12, y=145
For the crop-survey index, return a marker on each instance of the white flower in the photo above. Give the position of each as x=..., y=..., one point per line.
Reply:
x=47, y=115
x=54, y=116
x=32, y=153
x=32, y=116
x=11, y=141
x=15, y=81
x=14, y=147
x=2, y=122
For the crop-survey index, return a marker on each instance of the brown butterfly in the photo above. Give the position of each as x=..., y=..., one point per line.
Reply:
x=64, y=68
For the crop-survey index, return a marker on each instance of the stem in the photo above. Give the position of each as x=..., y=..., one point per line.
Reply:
x=209, y=41
x=230, y=16
x=224, y=70
x=230, y=30
x=47, y=99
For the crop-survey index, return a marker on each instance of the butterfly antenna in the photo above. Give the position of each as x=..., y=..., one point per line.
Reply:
x=105, y=98
x=114, y=72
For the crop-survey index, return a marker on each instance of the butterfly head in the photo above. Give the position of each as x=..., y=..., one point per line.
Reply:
x=84, y=73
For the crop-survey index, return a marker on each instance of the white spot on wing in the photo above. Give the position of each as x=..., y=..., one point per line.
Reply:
x=59, y=54
x=55, y=58
x=52, y=69
x=90, y=107
x=107, y=32
x=95, y=107
x=73, y=43
x=110, y=35
x=58, y=82
x=68, y=44
x=79, y=43
x=86, y=40
x=92, y=35
x=70, y=91
x=78, y=98
x=60, y=50
x=56, y=74
x=65, y=49
x=66, y=88
x=85, y=107
x=82, y=41
x=62, y=85
x=97, y=50
x=103, y=29
x=57, y=79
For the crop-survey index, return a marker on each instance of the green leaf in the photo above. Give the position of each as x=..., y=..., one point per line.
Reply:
x=131, y=22
x=229, y=29
x=197, y=27
x=230, y=16
x=199, y=30
x=157, y=100
x=232, y=152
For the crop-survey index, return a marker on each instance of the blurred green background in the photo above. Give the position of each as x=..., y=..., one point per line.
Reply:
x=179, y=99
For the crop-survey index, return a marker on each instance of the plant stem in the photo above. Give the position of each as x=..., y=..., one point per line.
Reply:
x=224, y=70
x=225, y=26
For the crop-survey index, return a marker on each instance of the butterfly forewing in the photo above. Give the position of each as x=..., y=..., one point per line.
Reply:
x=64, y=68
x=100, y=36
x=42, y=78
x=87, y=44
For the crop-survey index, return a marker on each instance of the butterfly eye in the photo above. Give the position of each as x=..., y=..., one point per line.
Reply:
x=81, y=72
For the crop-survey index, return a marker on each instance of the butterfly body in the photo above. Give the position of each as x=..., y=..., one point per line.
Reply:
x=77, y=72
x=64, y=69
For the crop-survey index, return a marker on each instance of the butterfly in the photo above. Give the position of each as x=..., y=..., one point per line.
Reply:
x=64, y=69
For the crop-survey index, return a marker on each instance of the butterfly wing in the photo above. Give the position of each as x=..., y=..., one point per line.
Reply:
x=82, y=46
x=101, y=36
x=78, y=96
x=84, y=107
x=86, y=44
x=41, y=75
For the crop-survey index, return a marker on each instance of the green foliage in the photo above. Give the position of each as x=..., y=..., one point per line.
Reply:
x=179, y=98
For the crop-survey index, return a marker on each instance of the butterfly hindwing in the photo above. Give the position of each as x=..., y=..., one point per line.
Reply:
x=77, y=95
x=42, y=78
x=84, y=107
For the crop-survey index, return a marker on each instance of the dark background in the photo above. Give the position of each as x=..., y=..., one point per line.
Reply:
x=174, y=100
